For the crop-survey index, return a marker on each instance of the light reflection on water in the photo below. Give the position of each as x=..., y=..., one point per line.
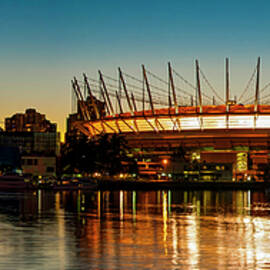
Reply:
x=135, y=230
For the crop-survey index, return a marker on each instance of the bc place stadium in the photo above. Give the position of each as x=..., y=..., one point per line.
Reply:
x=225, y=137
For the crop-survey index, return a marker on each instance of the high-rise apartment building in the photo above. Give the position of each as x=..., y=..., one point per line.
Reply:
x=30, y=121
x=36, y=140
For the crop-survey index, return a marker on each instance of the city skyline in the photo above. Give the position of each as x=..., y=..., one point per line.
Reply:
x=45, y=44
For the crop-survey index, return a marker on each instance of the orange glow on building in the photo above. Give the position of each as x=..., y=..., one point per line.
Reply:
x=207, y=131
x=187, y=119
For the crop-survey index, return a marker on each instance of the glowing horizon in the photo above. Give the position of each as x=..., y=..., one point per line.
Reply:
x=44, y=44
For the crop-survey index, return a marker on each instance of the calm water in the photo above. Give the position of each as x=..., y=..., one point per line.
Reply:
x=135, y=230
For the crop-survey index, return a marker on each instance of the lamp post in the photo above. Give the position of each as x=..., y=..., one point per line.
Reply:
x=165, y=163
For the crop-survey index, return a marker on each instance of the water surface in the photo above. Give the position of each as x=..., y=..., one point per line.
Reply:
x=135, y=230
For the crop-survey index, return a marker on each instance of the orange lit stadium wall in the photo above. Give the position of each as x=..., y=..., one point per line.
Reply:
x=216, y=134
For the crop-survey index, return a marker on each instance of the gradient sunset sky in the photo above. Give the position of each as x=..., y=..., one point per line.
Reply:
x=45, y=43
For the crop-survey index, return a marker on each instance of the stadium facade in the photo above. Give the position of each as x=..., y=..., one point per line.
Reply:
x=226, y=138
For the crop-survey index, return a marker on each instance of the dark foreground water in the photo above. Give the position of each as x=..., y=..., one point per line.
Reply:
x=135, y=230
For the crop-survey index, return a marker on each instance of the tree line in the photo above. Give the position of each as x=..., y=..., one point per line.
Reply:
x=105, y=154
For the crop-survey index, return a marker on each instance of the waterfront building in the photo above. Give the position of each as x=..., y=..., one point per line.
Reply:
x=42, y=148
x=37, y=141
x=9, y=159
x=39, y=165
x=224, y=134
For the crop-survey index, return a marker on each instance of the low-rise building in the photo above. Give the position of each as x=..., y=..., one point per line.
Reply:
x=9, y=159
x=39, y=165
x=29, y=143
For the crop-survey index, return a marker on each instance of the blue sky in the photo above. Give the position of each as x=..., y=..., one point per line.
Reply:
x=45, y=43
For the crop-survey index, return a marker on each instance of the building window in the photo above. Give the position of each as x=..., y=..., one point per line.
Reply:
x=29, y=162
x=50, y=169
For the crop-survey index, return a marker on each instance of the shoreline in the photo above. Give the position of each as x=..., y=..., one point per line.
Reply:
x=132, y=184
x=179, y=185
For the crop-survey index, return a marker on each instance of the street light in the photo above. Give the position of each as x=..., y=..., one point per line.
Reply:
x=165, y=163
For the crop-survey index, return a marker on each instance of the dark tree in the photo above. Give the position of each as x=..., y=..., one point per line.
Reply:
x=180, y=154
x=105, y=154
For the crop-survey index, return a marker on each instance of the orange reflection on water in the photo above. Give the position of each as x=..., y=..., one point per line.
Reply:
x=175, y=230
x=165, y=218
